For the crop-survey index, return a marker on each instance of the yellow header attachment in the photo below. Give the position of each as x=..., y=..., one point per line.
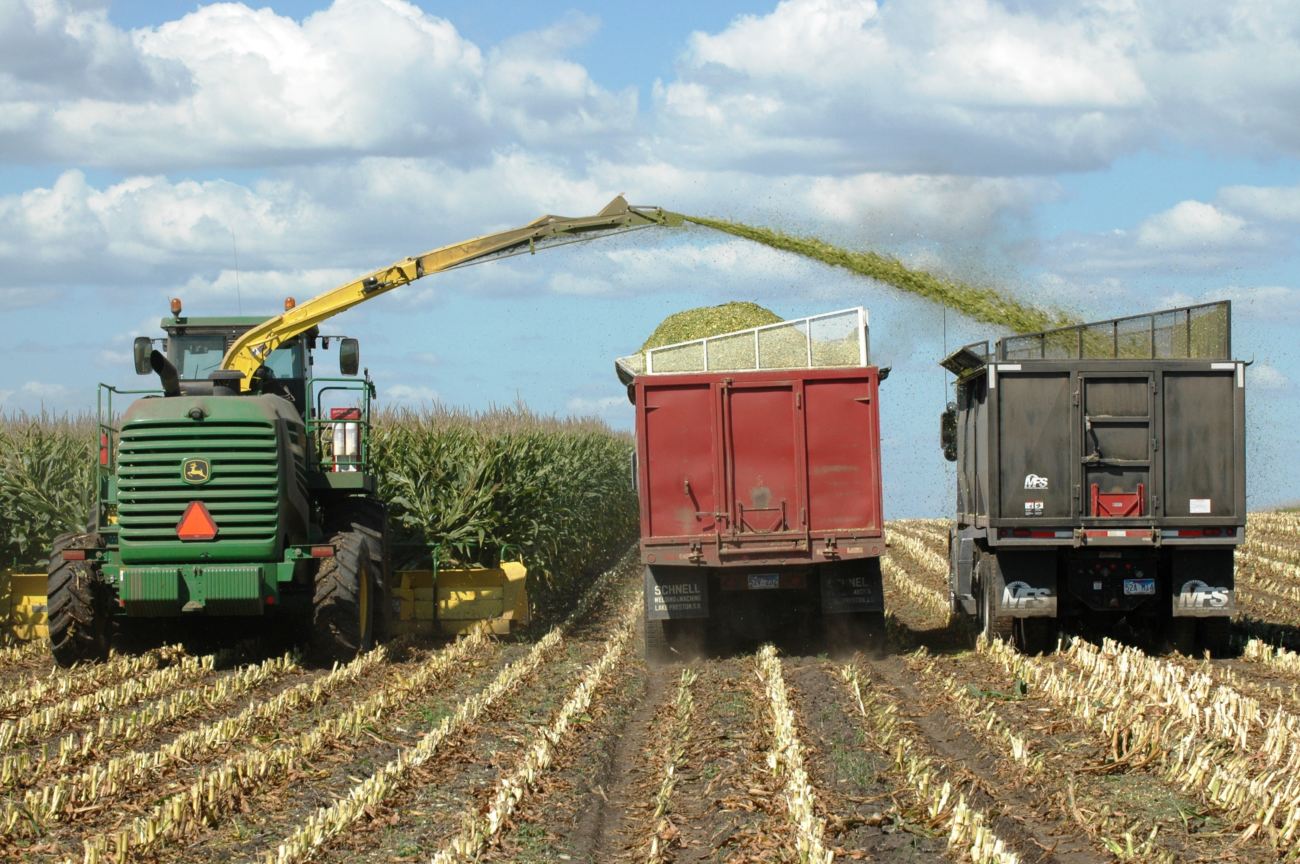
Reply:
x=250, y=350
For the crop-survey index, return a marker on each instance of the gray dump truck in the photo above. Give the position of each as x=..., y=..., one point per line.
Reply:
x=1101, y=479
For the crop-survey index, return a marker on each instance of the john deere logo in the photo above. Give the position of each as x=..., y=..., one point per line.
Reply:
x=196, y=471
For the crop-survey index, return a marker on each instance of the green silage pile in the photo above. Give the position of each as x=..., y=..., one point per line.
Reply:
x=704, y=321
x=979, y=303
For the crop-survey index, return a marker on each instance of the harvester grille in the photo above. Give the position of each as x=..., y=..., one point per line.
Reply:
x=241, y=493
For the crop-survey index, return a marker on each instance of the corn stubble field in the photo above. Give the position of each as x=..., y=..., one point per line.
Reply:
x=565, y=746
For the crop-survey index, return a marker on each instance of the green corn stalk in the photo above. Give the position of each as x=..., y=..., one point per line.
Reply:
x=556, y=490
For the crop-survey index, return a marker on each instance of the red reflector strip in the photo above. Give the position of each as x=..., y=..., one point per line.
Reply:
x=322, y=551
x=196, y=523
x=1206, y=532
x=1023, y=533
x=1115, y=532
x=74, y=554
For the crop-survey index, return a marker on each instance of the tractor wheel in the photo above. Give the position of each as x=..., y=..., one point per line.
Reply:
x=370, y=518
x=343, y=608
x=77, y=606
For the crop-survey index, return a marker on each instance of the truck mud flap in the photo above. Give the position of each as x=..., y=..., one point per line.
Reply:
x=852, y=586
x=1026, y=581
x=1202, y=582
x=676, y=593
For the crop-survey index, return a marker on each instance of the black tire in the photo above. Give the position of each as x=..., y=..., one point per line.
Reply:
x=77, y=605
x=343, y=605
x=370, y=517
x=1180, y=635
x=1034, y=635
x=992, y=627
x=1214, y=635
x=674, y=641
x=657, y=652
x=955, y=609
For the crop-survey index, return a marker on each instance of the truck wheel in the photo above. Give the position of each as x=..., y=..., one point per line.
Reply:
x=77, y=606
x=670, y=641
x=657, y=652
x=343, y=608
x=991, y=626
x=1034, y=635
x=1180, y=635
x=1215, y=636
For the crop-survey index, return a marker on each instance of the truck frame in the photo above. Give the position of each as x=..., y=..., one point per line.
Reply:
x=1100, y=479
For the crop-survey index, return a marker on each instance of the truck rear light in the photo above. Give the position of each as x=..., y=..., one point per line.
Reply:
x=322, y=551
x=1026, y=533
x=196, y=523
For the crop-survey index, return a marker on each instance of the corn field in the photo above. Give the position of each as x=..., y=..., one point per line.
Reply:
x=566, y=747
x=557, y=491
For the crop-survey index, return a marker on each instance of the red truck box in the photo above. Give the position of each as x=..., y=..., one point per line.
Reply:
x=760, y=481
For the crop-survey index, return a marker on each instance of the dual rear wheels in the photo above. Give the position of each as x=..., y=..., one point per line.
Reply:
x=1198, y=636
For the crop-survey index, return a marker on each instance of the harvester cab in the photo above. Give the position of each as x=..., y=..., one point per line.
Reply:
x=241, y=489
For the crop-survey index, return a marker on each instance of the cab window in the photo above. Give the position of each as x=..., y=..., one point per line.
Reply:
x=198, y=355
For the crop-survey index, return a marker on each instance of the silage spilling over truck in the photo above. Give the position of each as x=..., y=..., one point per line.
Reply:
x=1100, y=478
x=758, y=471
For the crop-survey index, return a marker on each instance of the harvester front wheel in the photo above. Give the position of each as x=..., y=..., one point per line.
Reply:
x=343, y=608
x=77, y=605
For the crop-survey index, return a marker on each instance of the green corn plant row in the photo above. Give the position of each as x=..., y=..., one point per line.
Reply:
x=557, y=491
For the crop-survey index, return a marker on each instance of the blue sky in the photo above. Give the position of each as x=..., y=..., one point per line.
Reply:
x=1108, y=157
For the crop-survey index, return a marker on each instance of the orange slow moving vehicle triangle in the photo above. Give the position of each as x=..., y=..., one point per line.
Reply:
x=196, y=523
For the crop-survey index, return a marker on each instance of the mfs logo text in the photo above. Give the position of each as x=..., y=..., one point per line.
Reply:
x=1034, y=481
x=1197, y=595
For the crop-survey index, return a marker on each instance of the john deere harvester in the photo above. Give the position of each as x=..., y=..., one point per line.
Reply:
x=237, y=492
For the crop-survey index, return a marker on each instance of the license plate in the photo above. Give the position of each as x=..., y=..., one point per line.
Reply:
x=1139, y=586
x=764, y=580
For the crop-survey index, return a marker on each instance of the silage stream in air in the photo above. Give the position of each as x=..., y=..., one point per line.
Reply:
x=976, y=302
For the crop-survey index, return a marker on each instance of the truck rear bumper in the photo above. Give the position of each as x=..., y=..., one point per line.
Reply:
x=1118, y=579
x=751, y=550
x=840, y=587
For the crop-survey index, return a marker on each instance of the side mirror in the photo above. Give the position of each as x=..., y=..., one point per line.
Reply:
x=884, y=373
x=349, y=356
x=142, y=348
x=948, y=432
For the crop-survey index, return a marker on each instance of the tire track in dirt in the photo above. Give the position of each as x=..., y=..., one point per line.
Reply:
x=856, y=794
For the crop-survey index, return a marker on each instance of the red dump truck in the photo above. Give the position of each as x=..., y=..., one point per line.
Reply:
x=758, y=471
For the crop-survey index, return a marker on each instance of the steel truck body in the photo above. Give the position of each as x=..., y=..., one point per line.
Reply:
x=1100, y=476
x=761, y=481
